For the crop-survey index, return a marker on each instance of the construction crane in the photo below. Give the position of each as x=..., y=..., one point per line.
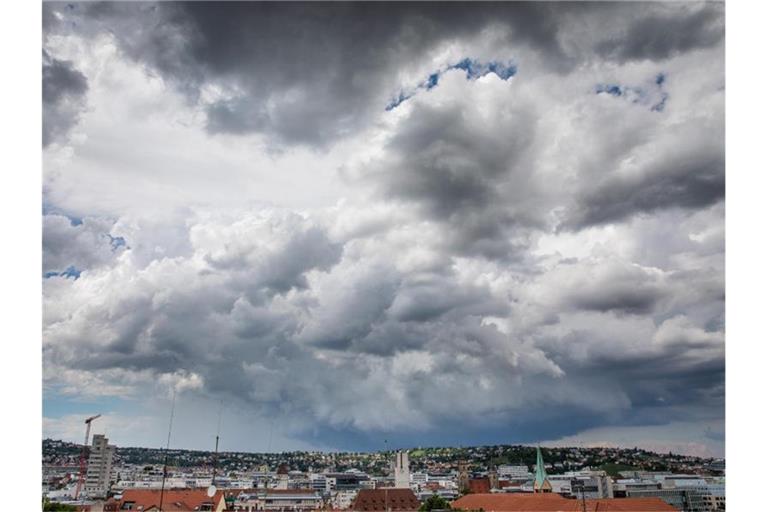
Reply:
x=81, y=478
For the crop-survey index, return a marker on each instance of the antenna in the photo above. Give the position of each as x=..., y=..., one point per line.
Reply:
x=167, y=446
x=269, y=444
x=212, y=488
x=386, y=487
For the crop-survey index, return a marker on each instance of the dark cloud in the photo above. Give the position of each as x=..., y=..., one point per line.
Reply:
x=82, y=244
x=693, y=183
x=256, y=269
x=465, y=172
x=661, y=381
x=404, y=337
x=673, y=30
x=302, y=73
x=287, y=74
x=64, y=92
x=624, y=298
x=429, y=299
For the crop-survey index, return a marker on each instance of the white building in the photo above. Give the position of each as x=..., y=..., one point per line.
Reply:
x=342, y=500
x=100, y=473
x=418, y=480
x=508, y=472
x=592, y=484
x=320, y=483
x=278, y=500
x=402, y=471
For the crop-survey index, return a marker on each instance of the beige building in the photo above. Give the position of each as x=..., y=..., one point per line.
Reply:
x=278, y=500
x=100, y=473
x=402, y=471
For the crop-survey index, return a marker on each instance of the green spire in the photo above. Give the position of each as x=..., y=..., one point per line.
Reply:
x=541, y=474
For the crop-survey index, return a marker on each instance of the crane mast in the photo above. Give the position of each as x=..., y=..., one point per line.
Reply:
x=81, y=476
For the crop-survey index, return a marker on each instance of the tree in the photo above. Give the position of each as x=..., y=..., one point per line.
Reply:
x=434, y=502
x=51, y=506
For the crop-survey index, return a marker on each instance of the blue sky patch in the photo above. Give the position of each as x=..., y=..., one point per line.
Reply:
x=116, y=242
x=397, y=101
x=612, y=89
x=473, y=68
x=50, y=209
x=476, y=69
x=70, y=271
x=651, y=95
x=432, y=80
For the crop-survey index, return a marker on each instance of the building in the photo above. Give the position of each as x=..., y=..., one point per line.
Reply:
x=419, y=480
x=173, y=500
x=540, y=481
x=590, y=484
x=100, y=473
x=514, y=473
x=342, y=499
x=386, y=499
x=277, y=500
x=686, y=499
x=677, y=498
x=550, y=502
x=463, y=477
x=446, y=494
x=319, y=483
x=479, y=485
x=623, y=485
x=347, y=481
x=402, y=471
x=493, y=477
x=714, y=502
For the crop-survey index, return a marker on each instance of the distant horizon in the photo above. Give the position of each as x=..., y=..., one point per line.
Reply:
x=409, y=449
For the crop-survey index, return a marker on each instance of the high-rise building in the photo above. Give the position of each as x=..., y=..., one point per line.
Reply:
x=100, y=473
x=402, y=471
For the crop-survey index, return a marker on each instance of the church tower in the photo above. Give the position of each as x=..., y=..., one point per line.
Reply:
x=463, y=477
x=493, y=477
x=540, y=481
x=402, y=471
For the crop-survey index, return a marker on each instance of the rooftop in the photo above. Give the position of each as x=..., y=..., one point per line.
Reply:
x=556, y=503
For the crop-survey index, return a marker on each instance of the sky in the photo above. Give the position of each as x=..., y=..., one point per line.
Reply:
x=353, y=226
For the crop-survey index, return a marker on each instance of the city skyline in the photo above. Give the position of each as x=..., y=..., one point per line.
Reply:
x=430, y=224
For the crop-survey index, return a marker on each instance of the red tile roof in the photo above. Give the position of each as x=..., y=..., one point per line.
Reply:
x=500, y=502
x=549, y=502
x=377, y=500
x=176, y=500
x=631, y=505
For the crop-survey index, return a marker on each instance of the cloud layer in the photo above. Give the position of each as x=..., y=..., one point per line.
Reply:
x=522, y=255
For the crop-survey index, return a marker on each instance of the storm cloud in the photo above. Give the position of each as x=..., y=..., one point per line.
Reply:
x=415, y=220
x=64, y=91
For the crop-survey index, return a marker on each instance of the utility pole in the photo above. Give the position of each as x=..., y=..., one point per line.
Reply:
x=579, y=486
x=216, y=452
x=386, y=489
x=167, y=446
